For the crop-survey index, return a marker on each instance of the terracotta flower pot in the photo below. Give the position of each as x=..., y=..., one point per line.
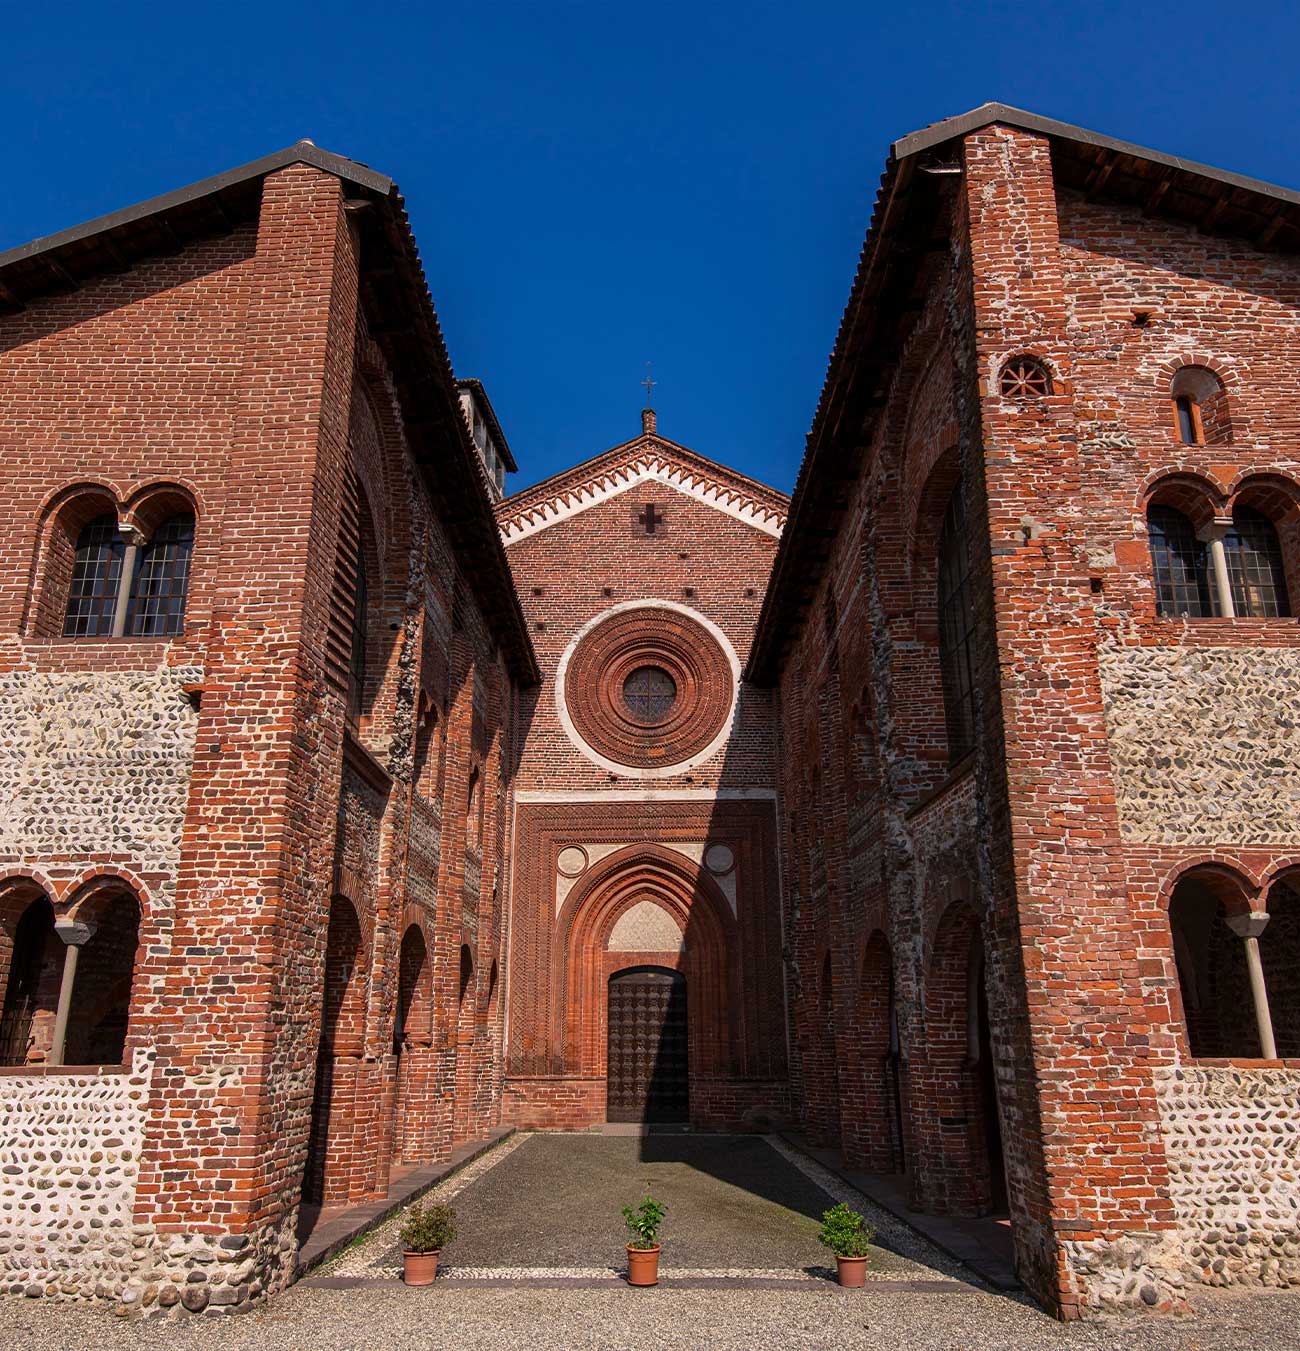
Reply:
x=851, y=1272
x=419, y=1268
x=643, y=1265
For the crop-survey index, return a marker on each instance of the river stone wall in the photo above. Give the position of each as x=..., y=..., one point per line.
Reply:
x=1232, y=1138
x=69, y=1160
x=96, y=763
x=1204, y=743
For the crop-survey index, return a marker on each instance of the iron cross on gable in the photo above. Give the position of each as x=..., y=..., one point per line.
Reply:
x=650, y=518
x=649, y=387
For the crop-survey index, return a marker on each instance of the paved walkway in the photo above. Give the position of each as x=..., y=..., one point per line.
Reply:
x=540, y=1244
x=549, y=1206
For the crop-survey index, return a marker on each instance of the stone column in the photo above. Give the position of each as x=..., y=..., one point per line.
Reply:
x=75, y=935
x=1249, y=927
x=130, y=559
x=1221, y=581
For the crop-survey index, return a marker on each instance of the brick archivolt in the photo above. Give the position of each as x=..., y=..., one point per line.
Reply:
x=707, y=954
x=608, y=649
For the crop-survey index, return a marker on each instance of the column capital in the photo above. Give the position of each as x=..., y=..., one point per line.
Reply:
x=1214, y=529
x=1250, y=925
x=76, y=933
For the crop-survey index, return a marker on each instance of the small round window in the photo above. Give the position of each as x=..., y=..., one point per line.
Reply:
x=649, y=693
x=1025, y=378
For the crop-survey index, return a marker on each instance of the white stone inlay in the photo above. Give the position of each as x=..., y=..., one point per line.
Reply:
x=719, y=859
x=688, y=849
x=647, y=927
x=571, y=860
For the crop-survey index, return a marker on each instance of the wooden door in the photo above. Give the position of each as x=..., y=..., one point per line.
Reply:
x=647, y=1063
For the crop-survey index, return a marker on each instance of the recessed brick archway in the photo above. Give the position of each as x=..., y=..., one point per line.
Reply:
x=583, y=961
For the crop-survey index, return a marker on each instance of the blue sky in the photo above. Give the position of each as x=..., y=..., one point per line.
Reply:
x=594, y=186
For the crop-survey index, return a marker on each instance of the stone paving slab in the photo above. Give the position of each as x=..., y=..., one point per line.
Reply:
x=737, y=1206
x=328, y=1232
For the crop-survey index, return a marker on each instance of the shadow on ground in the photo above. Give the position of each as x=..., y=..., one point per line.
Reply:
x=734, y=1203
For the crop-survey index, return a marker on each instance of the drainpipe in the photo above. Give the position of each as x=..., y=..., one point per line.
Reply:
x=75, y=935
x=1249, y=927
x=1219, y=564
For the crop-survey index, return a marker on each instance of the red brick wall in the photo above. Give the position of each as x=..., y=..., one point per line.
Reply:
x=240, y=374
x=568, y=574
x=1053, y=849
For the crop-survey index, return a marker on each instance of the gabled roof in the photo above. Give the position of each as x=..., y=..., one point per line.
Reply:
x=1082, y=141
x=919, y=173
x=392, y=285
x=648, y=458
x=166, y=222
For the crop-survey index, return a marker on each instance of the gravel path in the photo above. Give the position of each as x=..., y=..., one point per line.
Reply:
x=392, y=1318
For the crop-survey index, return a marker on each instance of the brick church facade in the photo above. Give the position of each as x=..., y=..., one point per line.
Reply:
x=945, y=811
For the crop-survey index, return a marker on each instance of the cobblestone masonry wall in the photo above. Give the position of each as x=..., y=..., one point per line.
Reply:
x=1204, y=743
x=96, y=763
x=70, y=1146
x=1233, y=1141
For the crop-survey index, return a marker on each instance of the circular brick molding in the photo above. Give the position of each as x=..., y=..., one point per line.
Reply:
x=571, y=861
x=719, y=859
x=648, y=688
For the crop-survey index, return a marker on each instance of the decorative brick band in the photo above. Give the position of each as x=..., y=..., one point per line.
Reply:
x=698, y=677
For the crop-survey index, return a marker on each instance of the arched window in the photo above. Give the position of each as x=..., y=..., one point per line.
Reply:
x=1180, y=565
x=1200, y=407
x=101, y=992
x=429, y=759
x=162, y=575
x=31, y=991
x=138, y=590
x=473, y=809
x=956, y=630
x=1187, y=412
x=96, y=579
x=1212, y=977
x=1255, y=566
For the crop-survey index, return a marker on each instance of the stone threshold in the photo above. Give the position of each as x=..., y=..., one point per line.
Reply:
x=332, y=1232
x=982, y=1245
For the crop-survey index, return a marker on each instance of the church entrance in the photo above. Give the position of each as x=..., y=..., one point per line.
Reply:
x=647, y=1061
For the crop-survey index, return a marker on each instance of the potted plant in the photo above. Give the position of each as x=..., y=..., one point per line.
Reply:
x=426, y=1230
x=643, y=1251
x=849, y=1237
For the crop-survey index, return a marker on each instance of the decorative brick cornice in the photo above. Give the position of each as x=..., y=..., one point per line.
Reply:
x=647, y=459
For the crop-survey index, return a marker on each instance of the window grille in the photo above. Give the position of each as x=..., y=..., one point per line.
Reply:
x=96, y=576
x=1025, y=378
x=1255, y=566
x=157, y=607
x=1180, y=564
x=649, y=694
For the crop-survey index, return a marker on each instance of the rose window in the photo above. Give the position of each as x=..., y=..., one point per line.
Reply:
x=649, y=693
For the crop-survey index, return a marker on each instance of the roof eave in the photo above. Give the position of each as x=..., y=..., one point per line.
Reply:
x=301, y=152
x=1002, y=114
